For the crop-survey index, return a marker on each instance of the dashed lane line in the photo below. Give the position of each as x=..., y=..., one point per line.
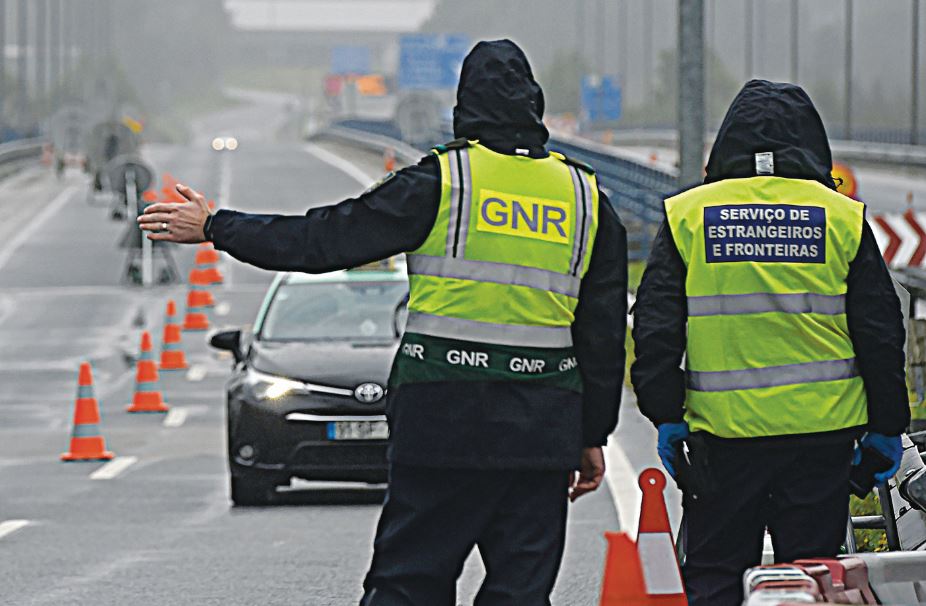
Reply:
x=348, y=168
x=196, y=373
x=112, y=469
x=176, y=417
x=10, y=526
x=25, y=234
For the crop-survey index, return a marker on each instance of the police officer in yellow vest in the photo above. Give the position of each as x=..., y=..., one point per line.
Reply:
x=769, y=339
x=508, y=379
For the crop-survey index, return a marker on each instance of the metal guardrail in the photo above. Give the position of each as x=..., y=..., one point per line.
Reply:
x=875, y=152
x=373, y=141
x=24, y=149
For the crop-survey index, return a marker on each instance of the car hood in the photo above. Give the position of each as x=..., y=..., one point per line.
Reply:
x=335, y=364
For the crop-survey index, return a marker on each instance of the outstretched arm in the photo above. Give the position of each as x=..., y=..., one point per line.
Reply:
x=392, y=218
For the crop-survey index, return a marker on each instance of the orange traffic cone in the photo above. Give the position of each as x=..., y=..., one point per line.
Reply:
x=207, y=258
x=198, y=276
x=147, y=396
x=172, y=356
x=211, y=204
x=206, y=254
x=195, y=317
x=87, y=443
x=648, y=573
x=199, y=296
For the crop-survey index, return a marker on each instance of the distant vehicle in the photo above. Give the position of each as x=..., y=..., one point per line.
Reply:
x=306, y=398
x=225, y=143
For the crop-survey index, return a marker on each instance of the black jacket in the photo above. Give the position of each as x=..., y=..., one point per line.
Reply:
x=485, y=424
x=767, y=116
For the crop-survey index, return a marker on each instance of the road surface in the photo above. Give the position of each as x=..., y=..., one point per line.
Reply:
x=157, y=526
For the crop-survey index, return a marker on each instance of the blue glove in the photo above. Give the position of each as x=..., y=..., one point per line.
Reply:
x=670, y=434
x=889, y=446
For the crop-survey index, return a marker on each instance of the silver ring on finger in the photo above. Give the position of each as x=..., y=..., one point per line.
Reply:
x=164, y=226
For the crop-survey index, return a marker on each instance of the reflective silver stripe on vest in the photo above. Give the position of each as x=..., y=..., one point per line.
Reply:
x=498, y=273
x=584, y=211
x=772, y=376
x=487, y=332
x=756, y=303
x=461, y=199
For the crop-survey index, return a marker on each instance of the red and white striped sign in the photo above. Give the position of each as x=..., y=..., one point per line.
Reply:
x=901, y=238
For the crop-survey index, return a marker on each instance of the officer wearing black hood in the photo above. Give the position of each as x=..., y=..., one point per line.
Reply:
x=510, y=372
x=771, y=287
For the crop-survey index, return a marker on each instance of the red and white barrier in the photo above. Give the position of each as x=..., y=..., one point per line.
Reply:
x=901, y=238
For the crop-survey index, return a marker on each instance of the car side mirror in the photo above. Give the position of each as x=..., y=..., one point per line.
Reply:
x=228, y=340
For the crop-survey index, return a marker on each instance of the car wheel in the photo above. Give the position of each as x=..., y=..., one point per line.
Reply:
x=251, y=492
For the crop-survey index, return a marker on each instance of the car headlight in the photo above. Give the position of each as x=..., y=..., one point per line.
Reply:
x=272, y=387
x=218, y=144
x=231, y=144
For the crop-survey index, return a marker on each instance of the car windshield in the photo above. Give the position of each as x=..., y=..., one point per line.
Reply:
x=335, y=311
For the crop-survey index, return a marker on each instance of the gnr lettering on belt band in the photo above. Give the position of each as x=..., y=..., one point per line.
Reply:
x=468, y=358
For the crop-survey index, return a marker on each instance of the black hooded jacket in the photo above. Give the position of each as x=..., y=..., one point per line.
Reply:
x=780, y=118
x=466, y=425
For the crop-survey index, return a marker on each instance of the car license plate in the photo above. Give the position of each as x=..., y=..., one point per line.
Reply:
x=358, y=430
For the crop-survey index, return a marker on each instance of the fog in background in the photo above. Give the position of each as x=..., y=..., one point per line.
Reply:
x=166, y=61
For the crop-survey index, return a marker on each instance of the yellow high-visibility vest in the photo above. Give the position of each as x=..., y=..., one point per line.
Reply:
x=494, y=287
x=769, y=351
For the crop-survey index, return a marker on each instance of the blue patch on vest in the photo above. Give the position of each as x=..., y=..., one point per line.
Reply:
x=776, y=233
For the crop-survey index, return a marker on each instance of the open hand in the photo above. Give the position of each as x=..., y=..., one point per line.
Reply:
x=174, y=222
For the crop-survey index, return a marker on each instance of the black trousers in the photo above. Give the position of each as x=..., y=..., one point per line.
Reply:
x=432, y=518
x=798, y=490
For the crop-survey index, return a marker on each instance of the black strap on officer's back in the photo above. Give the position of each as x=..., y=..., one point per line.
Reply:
x=461, y=143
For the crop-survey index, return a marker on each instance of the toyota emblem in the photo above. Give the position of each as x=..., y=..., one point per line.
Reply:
x=368, y=393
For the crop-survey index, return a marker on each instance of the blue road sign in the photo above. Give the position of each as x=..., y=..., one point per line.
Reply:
x=601, y=99
x=350, y=60
x=431, y=61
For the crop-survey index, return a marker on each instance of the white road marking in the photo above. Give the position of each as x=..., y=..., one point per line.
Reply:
x=622, y=483
x=10, y=526
x=222, y=308
x=113, y=468
x=176, y=417
x=24, y=235
x=196, y=373
x=348, y=168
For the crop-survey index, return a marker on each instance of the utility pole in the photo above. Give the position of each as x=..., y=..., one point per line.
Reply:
x=691, y=91
x=67, y=44
x=915, y=78
x=3, y=87
x=22, y=50
x=600, y=39
x=748, y=42
x=54, y=52
x=41, y=49
x=625, y=43
x=847, y=133
x=795, y=41
x=647, y=50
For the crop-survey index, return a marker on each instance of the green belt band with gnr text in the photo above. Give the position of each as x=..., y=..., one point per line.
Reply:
x=424, y=359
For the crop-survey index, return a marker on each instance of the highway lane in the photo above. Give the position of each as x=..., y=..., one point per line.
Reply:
x=162, y=530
